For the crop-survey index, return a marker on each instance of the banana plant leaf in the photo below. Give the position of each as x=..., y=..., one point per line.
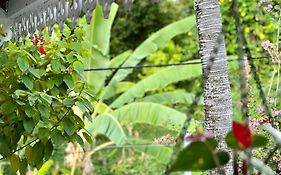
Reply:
x=151, y=113
x=107, y=125
x=149, y=46
x=157, y=81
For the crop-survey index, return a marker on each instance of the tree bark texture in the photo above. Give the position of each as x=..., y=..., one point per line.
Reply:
x=217, y=96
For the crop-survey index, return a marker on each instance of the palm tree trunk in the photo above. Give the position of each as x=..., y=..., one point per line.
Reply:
x=217, y=96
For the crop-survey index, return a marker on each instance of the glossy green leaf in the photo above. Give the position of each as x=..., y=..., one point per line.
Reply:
x=38, y=73
x=68, y=126
x=78, y=67
x=88, y=138
x=43, y=133
x=68, y=81
x=46, y=97
x=38, y=153
x=27, y=81
x=199, y=156
x=107, y=125
x=56, y=137
x=23, y=63
x=258, y=141
x=48, y=149
x=44, y=111
x=56, y=65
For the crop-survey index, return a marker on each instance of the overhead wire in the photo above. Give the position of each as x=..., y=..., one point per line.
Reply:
x=163, y=65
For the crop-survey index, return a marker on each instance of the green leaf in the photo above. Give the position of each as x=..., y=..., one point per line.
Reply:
x=258, y=141
x=107, y=125
x=7, y=108
x=68, y=126
x=38, y=153
x=169, y=98
x=28, y=124
x=48, y=149
x=99, y=40
x=88, y=138
x=43, y=133
x=27, y=81
x=15, y=162
x=80, y=141
x=46, y=167
x=46, y=98
x=30, y=111
x=78, y=67
x=199, y=156
x=23, y=166
x=38, y=73
x=231, y=141
x=29, y=154
x=4, y=145
x=152, y=44
x=23, y=63
x=157, y=81
x=68, y=81
x=44, y=111
x=152, y=113
x=66, y=31
x=56, y=137
x=161, y=153
x=56, y=65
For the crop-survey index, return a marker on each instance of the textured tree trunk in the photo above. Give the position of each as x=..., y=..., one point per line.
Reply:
x=217, y=97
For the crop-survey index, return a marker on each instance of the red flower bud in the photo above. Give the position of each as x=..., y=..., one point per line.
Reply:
x=35, y=42
x=242, y=134
x=42, y=49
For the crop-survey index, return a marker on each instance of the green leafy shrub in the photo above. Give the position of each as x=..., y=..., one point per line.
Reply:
x=38, y=97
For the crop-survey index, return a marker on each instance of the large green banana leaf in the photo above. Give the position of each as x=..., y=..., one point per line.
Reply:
x=157, y=81
x=107, y=125
x=170, y=98
x=161, y=153
x=151, y=113
x=99, y=37
x=149, y=46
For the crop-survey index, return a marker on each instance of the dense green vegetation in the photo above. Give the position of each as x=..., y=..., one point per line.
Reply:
x=126, y=121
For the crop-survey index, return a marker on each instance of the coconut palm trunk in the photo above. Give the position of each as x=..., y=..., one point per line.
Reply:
x=217, y=96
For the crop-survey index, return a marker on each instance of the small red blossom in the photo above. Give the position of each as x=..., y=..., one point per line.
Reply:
x=42, y=49
x=35, y=42
x=242, y=134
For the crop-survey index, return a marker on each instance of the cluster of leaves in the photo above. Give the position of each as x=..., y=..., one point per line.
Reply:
x=39, y=94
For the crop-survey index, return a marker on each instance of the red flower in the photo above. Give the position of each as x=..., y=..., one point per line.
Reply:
x=242, y=134
x=42, y=49
x=35, y=42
